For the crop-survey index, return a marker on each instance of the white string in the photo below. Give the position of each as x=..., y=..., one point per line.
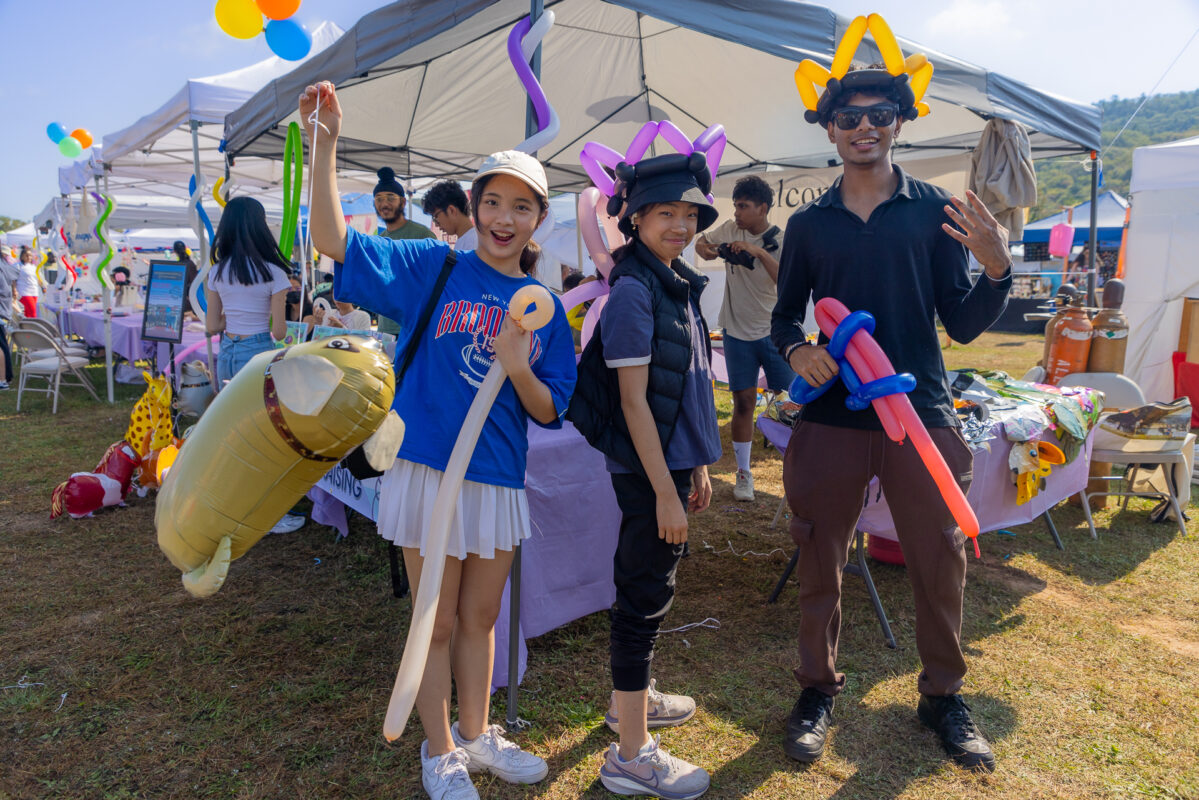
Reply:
x=61, y=700
x=315, y=120
x=23, y=683
x=1151, y=91
x=730, y=549
x=709, y=622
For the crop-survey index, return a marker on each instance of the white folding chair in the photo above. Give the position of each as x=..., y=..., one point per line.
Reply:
x=1121, y=392
x=51, y=368
x=46, y=327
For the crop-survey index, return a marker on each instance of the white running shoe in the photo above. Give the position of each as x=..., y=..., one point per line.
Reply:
x=662, y=710
x=744, y=490
x=289, y=523
x=491, y=752
x=445, y=777
x=655, y=773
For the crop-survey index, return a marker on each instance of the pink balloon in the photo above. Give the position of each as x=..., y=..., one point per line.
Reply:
x=871, y=363
x=641, y=142
x=592, y=319
x=193, y=347
x=590, y=230
x=584, y=292
x=711, y=143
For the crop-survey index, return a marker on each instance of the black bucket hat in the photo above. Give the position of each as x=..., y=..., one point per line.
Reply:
x=662, y=179
x=895, y=88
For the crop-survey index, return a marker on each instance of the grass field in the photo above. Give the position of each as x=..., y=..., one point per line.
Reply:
x=119, y=685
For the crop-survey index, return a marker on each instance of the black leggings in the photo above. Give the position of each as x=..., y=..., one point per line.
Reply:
x=643, y=570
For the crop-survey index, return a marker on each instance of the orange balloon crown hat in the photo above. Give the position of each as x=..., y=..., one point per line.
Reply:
x=904, y=79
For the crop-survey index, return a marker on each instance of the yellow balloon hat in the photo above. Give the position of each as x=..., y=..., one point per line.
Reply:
x=904, y=79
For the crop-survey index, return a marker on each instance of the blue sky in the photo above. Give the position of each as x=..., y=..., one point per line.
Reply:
x=102, y=65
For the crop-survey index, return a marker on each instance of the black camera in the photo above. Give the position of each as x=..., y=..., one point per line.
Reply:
x=741, y=259
x=770, y=244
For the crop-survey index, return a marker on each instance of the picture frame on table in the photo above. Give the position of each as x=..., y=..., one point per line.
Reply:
x=166, y=285
x=296, y=332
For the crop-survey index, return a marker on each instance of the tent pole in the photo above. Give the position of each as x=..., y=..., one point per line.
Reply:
x=202, y=271
x=107, y=301
x=1091, y=254
x=536, y=9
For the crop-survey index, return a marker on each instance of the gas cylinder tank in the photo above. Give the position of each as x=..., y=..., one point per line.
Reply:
x=1109, y=335
x=1065, y=293
x=1071, y=343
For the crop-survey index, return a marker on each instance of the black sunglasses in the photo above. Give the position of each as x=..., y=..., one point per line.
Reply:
x=879, y=115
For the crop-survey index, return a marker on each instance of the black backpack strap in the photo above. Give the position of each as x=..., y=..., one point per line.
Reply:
x=426, y=314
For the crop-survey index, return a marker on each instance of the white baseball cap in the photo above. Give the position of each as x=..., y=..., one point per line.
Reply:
x=518, y=165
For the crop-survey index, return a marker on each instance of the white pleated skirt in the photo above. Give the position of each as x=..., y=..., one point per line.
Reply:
x=488, y=517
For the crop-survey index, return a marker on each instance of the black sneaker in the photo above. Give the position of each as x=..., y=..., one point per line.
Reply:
x=949, y=717
x=807, y=727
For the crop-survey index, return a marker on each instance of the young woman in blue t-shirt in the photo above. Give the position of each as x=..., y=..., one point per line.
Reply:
x=469, y=328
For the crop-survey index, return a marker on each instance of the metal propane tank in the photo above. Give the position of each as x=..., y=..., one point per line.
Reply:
x=1109, y=335
x=1065, y=293
x=1071, y=342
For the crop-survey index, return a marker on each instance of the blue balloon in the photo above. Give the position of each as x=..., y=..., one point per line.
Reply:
x=56, y=132
x=288, y=39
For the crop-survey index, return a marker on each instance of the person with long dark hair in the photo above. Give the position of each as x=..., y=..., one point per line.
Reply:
x=247, y=288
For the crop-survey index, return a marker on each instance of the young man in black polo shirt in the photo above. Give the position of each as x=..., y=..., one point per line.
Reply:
x=881, y=241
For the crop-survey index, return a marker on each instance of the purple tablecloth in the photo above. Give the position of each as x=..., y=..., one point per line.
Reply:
x=992, y=494
x=566, y=565
x=127, y=339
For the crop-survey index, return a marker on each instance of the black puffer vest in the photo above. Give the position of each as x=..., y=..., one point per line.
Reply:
x=595, y=406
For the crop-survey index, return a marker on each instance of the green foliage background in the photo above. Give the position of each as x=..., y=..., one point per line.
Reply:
x=1165, y=118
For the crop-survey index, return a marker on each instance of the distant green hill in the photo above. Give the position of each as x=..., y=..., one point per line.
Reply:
x=1165, y=118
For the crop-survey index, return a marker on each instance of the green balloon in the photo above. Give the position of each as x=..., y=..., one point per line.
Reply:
x=69, y=146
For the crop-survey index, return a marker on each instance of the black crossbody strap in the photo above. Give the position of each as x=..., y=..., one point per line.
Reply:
x=426, y=314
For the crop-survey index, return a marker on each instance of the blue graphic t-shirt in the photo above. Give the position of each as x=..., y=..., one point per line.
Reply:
x=395, y=277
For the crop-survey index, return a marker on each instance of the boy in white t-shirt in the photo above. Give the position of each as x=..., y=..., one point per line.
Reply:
x=750, y=247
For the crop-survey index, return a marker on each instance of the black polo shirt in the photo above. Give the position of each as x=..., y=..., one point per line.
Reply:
x=901, y=267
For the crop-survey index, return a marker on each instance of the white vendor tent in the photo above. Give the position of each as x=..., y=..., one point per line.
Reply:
x=1161, y=268
x=149, y=211
x=427, y=87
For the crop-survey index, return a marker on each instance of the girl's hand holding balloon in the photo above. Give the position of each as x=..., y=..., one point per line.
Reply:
x=512, y=345
x=323, y=96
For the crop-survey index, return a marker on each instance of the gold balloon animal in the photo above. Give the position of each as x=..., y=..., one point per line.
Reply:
x=283, y=421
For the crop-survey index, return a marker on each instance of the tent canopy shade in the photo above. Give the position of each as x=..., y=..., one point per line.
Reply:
x=417, y=77
x=1109, y=224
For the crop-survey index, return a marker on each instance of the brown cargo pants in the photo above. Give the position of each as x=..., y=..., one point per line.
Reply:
x=826, y=472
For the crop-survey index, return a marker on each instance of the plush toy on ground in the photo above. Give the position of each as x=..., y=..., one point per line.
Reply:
x=283, y=421
x=150, y=429
x=107, y=485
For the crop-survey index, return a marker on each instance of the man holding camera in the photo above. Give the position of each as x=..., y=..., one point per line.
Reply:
x=750, y=247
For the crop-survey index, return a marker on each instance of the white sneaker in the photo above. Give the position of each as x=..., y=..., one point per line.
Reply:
x=744, y=490
x=491, y=752
x=653, y=772
x=445, y=777
x=662, y=710
x=289, y=523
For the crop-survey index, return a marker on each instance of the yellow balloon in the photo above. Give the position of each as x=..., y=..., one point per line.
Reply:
x=241, y=19
x=216, y=192
x=849, y=45
x=807, y=92
x=922, y=109
x=887, y=46
x=814, y=72
x=283, y=421
x=920, y=80
x=914, y=62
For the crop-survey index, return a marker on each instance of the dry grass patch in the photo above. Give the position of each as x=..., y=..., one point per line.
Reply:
x=1082, y=662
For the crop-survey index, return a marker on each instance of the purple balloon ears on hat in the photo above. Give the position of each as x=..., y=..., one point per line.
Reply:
x=599, y=160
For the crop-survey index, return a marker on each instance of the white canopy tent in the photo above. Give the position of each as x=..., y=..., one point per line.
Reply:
x=427, y=88
x=148, y=211
x=1160, y=265
x=155, y=154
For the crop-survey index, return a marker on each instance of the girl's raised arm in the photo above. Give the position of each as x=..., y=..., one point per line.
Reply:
x=328, y=224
